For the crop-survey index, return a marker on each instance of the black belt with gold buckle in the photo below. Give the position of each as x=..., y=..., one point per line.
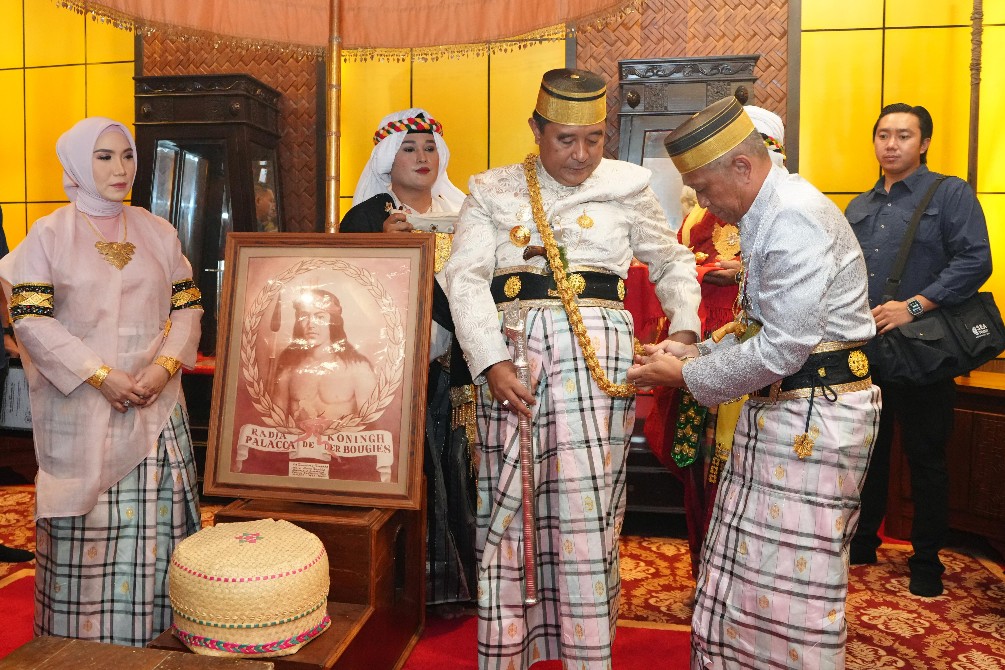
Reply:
x=531, y=286
x=836, y=371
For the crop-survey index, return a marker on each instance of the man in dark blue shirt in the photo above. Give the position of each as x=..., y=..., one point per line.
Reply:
x=950, y=258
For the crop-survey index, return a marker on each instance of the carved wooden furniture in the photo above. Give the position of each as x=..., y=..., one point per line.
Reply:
x=976, y=461
x=208, y=164
x=659, y=94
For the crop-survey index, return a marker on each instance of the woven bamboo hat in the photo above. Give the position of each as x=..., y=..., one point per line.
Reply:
x=253, y=589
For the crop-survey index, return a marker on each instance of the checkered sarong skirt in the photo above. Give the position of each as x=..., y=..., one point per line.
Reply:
x=580, y=441
x=774, y=569
x=103, y=576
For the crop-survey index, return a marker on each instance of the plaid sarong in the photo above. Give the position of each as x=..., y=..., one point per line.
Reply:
x=774, y=569
x=103, y=576
x=580, y=440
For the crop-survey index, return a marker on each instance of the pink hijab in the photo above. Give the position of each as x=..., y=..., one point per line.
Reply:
x=75, y=148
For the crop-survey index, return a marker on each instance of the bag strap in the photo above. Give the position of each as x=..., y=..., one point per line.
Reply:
x=893, y=281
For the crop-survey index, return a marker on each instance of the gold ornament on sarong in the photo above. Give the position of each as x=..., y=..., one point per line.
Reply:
x=803, y=443
x=858, y=363
x=584, y=221
x=621, y=289
x=519, y=235
x=726, y=240
x=117, y=254
x=512, y=287
x=564, y=290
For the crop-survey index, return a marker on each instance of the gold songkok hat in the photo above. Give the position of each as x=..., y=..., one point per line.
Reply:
x=709, y=134
x=572, y=97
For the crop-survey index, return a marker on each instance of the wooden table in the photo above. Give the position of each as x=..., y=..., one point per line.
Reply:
x=54, y=653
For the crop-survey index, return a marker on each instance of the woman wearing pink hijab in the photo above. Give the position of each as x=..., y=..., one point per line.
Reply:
x=106, y=312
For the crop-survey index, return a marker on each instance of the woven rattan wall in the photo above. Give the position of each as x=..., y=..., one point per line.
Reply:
x=296, y=79
x=675, y=28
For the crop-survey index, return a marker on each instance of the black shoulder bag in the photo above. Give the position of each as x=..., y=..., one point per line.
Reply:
x=942, y=343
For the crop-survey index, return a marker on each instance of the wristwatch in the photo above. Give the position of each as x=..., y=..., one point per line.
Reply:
x=914, y=308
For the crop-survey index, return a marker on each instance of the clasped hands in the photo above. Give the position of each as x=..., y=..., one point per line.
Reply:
x=122, y=390
x=661, y=364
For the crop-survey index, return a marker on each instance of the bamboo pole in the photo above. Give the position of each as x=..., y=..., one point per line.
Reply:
x=976, y=35
x=334, y=96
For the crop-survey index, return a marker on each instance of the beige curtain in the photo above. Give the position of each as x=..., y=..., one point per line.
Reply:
x=364, y=23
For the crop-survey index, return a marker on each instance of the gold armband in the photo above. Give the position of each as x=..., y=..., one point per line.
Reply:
x=98, y=378
x=170, y=364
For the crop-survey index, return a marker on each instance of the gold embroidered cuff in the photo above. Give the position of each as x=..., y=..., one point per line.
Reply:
x=98, y=378
x=172, y=365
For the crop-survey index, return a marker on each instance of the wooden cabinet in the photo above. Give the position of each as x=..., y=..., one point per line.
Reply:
x=976, y=457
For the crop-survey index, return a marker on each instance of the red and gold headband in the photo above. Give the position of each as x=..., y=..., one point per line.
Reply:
x=412, y=124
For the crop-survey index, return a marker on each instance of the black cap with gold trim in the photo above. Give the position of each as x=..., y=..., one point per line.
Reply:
x=572, y=97
x=709, y=134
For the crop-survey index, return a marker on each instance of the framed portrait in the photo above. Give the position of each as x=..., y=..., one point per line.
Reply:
x=322, y=360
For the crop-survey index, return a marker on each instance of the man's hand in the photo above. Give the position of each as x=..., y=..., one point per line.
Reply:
x=724, y=277
x=658, y=368
x=507, y=389
x=396, y=223
x=894, y=313
x=669, y=346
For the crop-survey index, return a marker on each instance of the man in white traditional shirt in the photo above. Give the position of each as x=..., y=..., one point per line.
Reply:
x=774, y=567
x=558, y=233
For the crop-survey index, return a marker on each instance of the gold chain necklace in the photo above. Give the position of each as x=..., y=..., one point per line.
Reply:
x=565, y=291
x=117, y=254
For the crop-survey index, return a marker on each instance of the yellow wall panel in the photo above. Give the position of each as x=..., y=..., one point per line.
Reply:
x=370, y=91
x=36, y=210
x=53, y=35
x=11, y=35
x=931, y=67
x=994, y=211
x=840, y=97
x=12, y=136
x=994, y=12
x=15, y=223
x=45, y=121
x=842, y=199
x=455, y=91
x=991, y=137
x=106, y=43
x=110, y=92
x=834, y=14
x=516, y=78
x=929, y=12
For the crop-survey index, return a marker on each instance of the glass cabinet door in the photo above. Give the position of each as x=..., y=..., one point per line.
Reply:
x=264, y=175
x=190, y=189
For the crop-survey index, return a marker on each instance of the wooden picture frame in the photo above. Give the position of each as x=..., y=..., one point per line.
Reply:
x=321, y=367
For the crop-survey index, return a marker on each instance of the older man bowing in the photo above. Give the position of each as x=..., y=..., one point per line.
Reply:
x=558, y=233
x=773, y=575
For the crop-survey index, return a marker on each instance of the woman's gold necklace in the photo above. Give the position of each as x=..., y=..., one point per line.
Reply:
x=117, y=254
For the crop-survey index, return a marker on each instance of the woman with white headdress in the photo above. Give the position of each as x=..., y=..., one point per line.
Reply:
x=106, y=313
x=405, y=180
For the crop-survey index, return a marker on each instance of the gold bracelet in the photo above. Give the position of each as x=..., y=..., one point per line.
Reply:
x=98, y=378
x=170, y=364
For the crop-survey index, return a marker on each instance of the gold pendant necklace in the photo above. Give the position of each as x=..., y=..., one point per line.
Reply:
x=117, y=254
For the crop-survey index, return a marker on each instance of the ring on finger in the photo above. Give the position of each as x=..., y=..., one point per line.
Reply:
x=127, y=403
x=505, y=403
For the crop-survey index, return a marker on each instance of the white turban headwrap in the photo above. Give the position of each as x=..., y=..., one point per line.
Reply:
x=770, y=124
x=376, y=176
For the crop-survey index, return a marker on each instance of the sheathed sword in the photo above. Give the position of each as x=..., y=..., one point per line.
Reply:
x=514, y=322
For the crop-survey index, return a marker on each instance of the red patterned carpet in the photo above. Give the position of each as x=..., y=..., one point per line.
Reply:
x=964, y=629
